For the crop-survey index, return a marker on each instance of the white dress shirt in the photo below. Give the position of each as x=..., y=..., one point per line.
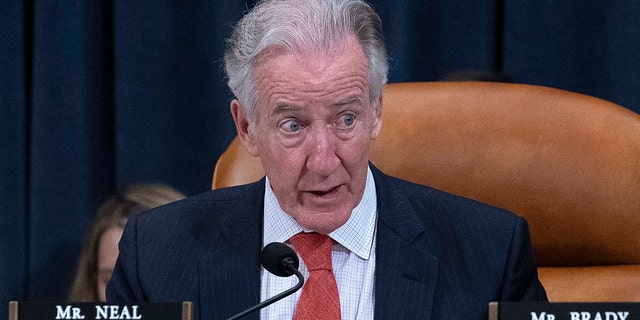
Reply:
x=353, y=258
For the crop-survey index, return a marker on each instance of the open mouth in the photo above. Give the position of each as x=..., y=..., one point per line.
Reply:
x=324, y=193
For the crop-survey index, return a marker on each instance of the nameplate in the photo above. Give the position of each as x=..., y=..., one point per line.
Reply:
x=99, y=311
x=564, y=311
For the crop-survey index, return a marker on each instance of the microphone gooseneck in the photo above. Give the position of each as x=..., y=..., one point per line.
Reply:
x=281, y=260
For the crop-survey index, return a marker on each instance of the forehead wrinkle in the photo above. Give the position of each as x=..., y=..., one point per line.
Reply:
x=324, y=80
x=287, y=94
x=349, y=87
x=337, y=73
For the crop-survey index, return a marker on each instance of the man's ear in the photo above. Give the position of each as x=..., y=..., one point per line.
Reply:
x=242, y=125
x=377, y=123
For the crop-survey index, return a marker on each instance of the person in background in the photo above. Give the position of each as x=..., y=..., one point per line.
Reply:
x=308, y=78
x=100, y=251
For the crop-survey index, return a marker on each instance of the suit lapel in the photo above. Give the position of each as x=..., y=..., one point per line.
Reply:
x=406, y=272
x=230, y=272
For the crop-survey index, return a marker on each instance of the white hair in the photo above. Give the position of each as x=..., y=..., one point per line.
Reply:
x=294, y=25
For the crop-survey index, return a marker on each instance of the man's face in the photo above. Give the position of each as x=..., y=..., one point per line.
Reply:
x=315, y=124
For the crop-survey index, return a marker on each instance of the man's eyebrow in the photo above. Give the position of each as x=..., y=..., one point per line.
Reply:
x=283, y=108
x=350, y=101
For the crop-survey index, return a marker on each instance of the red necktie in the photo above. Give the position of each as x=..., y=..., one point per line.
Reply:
x=319, y=298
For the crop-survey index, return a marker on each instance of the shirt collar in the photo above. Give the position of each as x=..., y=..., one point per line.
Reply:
x=356, y=234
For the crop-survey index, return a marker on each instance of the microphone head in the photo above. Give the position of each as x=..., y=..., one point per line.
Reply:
x=276, y=258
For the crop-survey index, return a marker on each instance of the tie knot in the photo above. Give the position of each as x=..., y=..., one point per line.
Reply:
x=315, y=250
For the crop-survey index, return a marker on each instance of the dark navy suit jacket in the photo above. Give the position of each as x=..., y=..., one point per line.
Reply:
x=439, y=256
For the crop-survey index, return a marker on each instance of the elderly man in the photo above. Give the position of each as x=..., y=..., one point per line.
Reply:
x=308, y=77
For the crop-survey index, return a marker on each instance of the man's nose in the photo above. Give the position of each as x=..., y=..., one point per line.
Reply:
x=322, y=158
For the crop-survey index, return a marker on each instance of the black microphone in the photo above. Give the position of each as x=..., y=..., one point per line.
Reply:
x=281, y=260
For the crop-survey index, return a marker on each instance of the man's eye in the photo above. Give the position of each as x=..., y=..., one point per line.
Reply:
x=347, y=120
x=291, y=126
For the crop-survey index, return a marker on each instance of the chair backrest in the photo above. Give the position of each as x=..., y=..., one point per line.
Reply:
x=569, y=163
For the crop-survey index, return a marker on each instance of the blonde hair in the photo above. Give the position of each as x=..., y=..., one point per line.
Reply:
x=114, y=212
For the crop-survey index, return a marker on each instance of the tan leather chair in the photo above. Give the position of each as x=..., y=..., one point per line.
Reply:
x=568, y=163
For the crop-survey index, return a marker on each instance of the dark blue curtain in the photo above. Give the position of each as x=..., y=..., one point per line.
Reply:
x=100, y=94
x=590, y=47
x=13, y=149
